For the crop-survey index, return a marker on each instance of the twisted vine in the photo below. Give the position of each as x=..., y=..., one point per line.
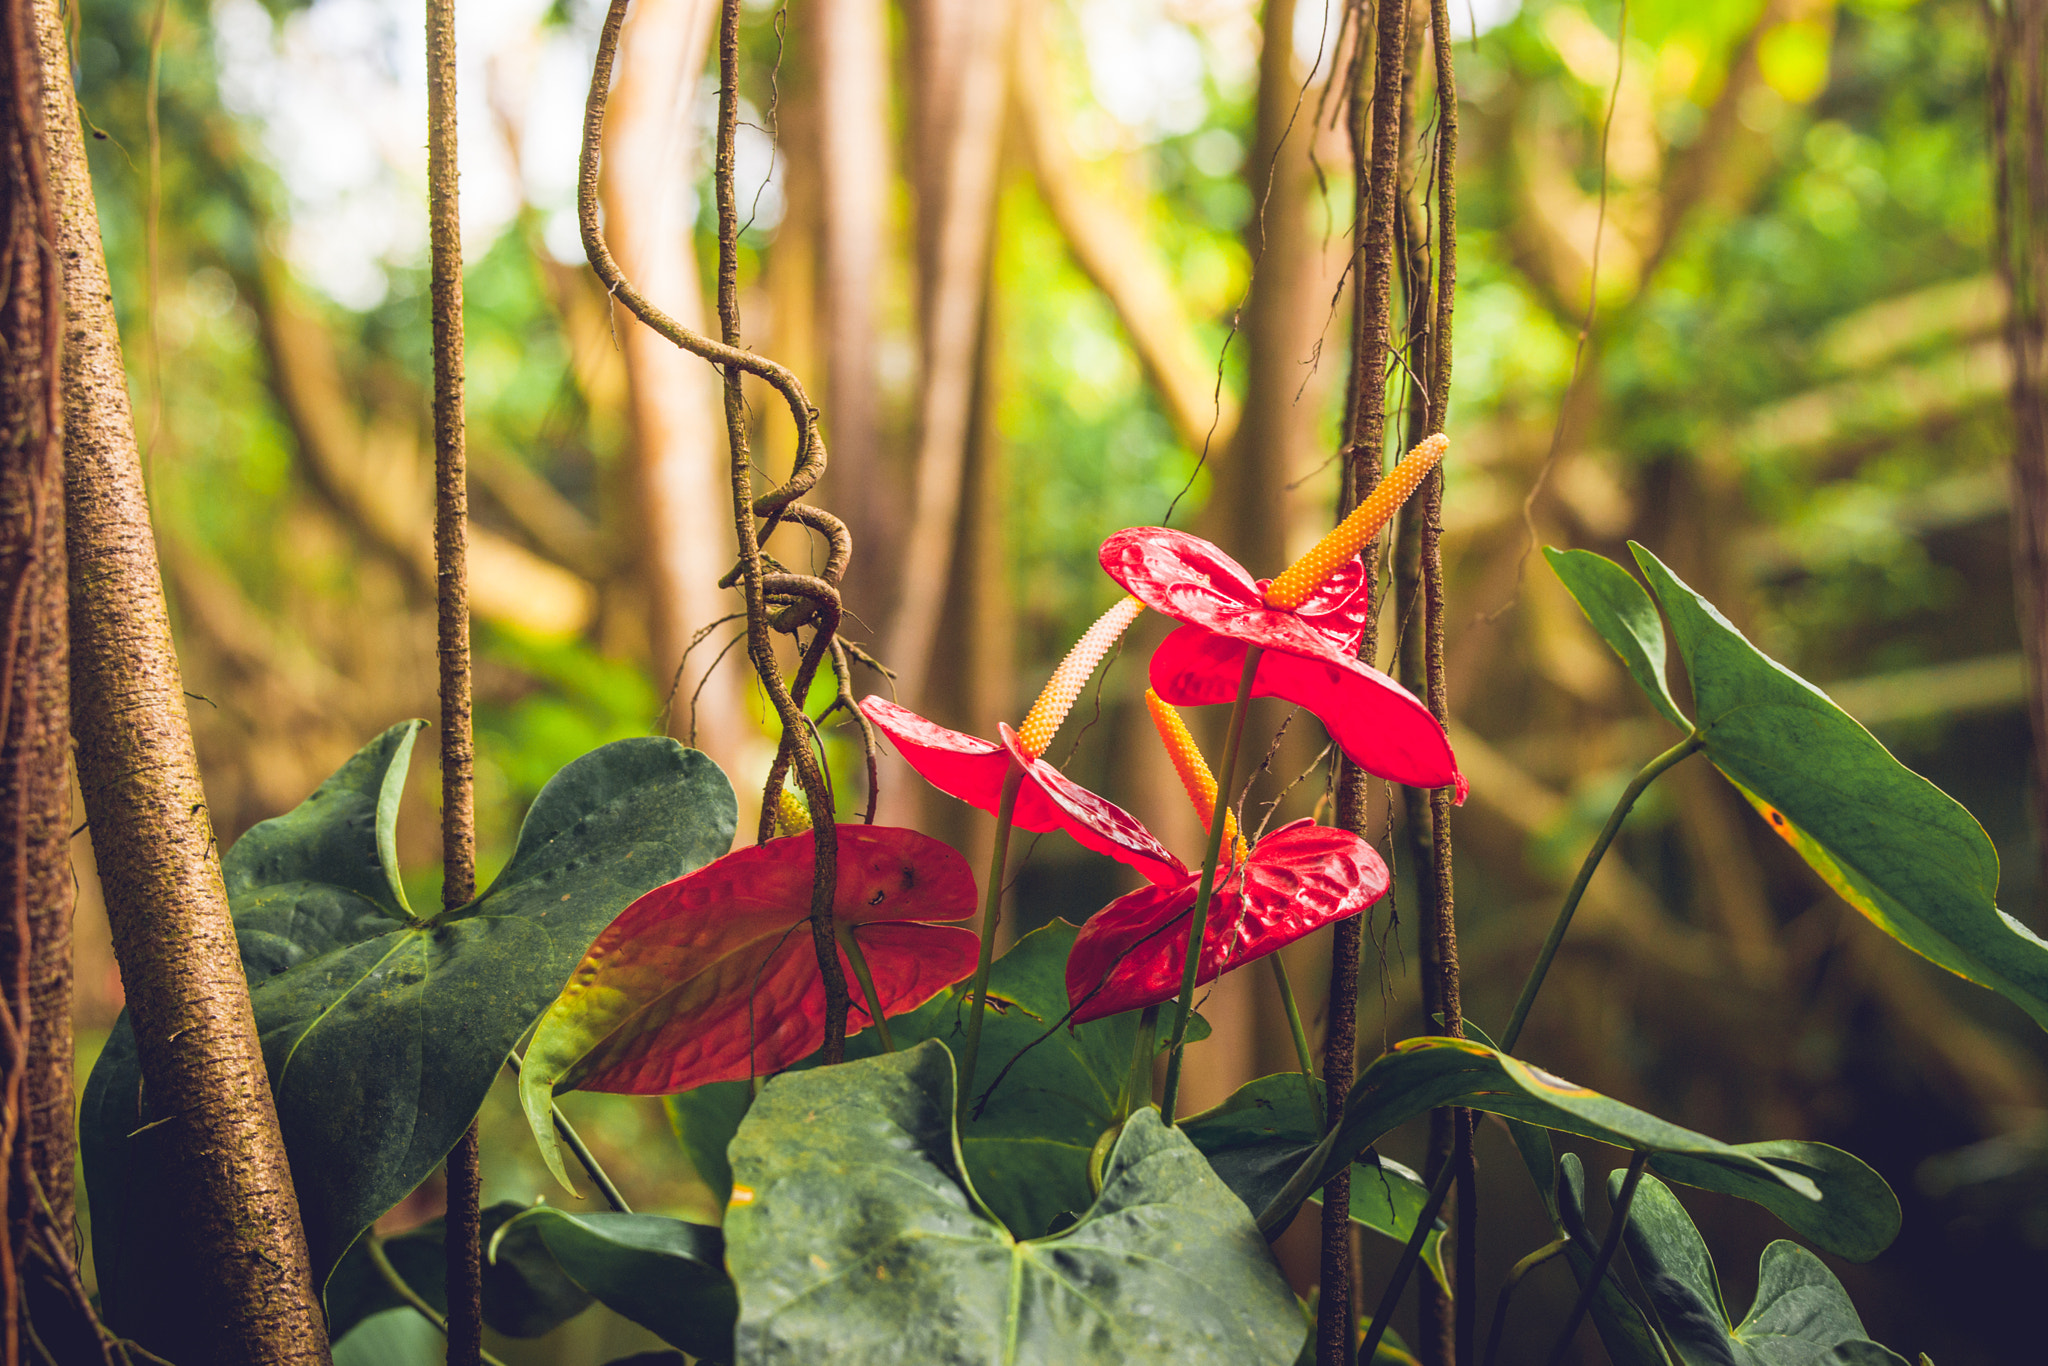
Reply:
x=777, y=599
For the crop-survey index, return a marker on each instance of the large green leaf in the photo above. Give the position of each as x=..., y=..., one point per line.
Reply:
x=1891, y=843
x=1625, y=618
x=382, y=1029
x=525, y=1293
x=1801, y=1317
x=1417, y=1075
x=1028, y=1148
x=1257, y=1138
x=664, y=1274
x=856, y=1237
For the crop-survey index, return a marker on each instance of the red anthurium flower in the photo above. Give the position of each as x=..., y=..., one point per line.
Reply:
x=1307, y=622
x=713, y=977
x=1295, y=881
x=973, y=769
x=1298, y=879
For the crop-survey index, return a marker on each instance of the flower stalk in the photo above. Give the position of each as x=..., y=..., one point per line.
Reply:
x=849, y=942
x=991, y=916
x=1200, y=920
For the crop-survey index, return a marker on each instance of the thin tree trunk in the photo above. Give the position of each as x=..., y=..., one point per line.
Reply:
x=35, y=790
x=650, y=164
x=962, y=112
x=159, y=866
x=851, y=62
x=464, y=1285
x=2019, y=129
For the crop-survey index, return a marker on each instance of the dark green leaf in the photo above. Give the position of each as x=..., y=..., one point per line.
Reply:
x=1417, y=1075
x=704, y=1121
x=666, y=1275
x=525, y=1293
x=1802, y=1316
x=1856, y=1217
x=1891, y=843
x=1623, y=1329
x=1625, y=618
x=383, y=1030
x=855, y=1237
x=1258, y=1137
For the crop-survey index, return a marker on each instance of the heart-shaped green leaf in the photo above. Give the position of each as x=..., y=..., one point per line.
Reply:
x=382, y=1030
x=1857, y=1216
x=1801, y=1317
x=1625, y=618
x=1893, y=845
x=855, y=1237
x=525, y=1293
x=1028, y=1147
x=664, y=1274
x=1260, y=1135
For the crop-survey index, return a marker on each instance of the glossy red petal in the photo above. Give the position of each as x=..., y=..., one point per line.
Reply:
x=963, y=766
x=1380, y=725
x=1339, y=608
x=713, y=976
x=1190, y=580
x=1131, y=953
x=1095, y=822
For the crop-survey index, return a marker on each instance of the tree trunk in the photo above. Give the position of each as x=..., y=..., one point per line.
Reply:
x=35, y=783
x=962, y=70
x=687, y=545
x=238, y=1225
x=2019, y=107
x=852, y=139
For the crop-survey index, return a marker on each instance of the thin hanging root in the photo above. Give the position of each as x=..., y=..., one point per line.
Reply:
x=1355, y=532
x=1053, y=704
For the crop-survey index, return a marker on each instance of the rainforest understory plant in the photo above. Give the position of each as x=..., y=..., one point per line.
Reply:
x=933, y=1148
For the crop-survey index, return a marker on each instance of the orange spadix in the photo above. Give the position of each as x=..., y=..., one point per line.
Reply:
x=1053, y=704
x=1193, y=769
x=1293, y=587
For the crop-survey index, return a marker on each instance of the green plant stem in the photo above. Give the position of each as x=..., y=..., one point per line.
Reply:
x=1507, y=1290
x=1411, y=1253
x=867, y=986
x=1138, y=1081
x=1302, y=1057
x=581, y=1150
x=1604, y=1258
x=1649, y=774
x=991, y=916
x=1199, y=924
x=411, y=1296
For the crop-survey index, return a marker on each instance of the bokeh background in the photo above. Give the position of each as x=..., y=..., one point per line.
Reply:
x=1071, y=265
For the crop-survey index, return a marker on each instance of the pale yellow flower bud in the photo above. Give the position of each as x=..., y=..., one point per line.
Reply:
x=1052, y=706
x=792, y=817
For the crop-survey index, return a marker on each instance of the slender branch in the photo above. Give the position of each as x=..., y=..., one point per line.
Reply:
x=401, y=1288
x=728, y=354
x=1198, y=925
x=451, y=580
x=991, y=916
x=1637, y=785
x=1604, y=1258
x=1507, y=1290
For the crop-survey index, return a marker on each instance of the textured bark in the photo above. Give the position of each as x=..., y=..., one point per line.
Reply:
x=959, y=125
x=35, y=793
x=238, y=1236
x=2018, y=90
x=465, y=1273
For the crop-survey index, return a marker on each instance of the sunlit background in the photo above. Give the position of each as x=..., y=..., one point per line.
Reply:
x=1792, y=390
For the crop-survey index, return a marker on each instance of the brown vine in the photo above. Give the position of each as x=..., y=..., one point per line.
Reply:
x=776, y=599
